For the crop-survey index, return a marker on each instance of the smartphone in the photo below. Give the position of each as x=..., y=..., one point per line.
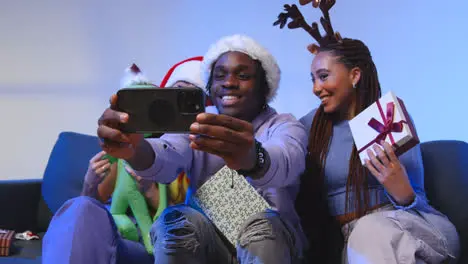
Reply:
x=160, y=110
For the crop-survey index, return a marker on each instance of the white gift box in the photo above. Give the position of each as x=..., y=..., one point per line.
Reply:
x=228, y=200
x=387, y=119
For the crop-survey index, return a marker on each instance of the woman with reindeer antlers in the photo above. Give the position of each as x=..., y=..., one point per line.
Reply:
x=381, y=207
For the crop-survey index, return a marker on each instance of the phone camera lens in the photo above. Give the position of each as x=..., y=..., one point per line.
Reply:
x=161, y=112
x=189, y=101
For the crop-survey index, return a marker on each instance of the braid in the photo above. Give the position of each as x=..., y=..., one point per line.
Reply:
x=352, y=53
x=311, y=203
x=312, y=198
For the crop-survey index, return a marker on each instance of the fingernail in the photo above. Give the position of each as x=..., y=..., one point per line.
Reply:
x=195, y=126
x=192, y=137
x=123, y=117
x=201, y=116
x=193, y=145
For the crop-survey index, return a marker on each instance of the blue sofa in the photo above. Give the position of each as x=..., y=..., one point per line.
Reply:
x=30, y=204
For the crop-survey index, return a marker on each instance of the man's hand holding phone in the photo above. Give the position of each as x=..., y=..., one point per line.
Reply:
x=113, y=141
x=230, y=138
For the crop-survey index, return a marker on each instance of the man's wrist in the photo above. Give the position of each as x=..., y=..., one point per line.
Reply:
x=252, y=158
x=143, y=156
x=260, y=164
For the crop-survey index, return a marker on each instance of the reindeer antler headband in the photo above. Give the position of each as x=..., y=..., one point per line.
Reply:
x=298, y=21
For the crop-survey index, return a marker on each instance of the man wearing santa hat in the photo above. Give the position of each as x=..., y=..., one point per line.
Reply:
x=247, y=135
x=78, y=225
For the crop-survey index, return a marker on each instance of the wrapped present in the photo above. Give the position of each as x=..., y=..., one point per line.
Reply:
x=388, y=120
x=228, y=200
x=6, y=238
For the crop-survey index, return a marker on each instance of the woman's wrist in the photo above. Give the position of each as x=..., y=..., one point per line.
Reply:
x=406, y=200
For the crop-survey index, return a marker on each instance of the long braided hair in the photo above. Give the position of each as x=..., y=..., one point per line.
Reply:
x=319, y=226
x=321, y=229
x=352, y=53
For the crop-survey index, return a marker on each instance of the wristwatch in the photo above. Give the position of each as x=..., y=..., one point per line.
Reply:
x=259, y=163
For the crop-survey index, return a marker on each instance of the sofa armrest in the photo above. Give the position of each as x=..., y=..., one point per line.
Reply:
x=19, y=201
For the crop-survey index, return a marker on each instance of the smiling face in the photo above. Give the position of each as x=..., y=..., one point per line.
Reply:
x=237, y=88
x=333, y=83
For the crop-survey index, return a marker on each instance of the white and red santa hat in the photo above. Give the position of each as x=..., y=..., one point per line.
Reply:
x=246, y=45
x=187, y=70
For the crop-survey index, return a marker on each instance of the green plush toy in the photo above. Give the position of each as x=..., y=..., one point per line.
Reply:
x=126, y=193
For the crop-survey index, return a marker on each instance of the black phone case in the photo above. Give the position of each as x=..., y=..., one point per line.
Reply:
x=160, y=110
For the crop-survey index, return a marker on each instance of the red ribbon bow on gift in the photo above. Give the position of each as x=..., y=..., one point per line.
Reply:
x=387, y=128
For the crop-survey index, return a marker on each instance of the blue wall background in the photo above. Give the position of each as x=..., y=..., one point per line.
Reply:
x=60, y=60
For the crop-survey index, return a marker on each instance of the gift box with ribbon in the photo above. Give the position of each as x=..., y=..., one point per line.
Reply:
x=388, y=120
x=6, y=238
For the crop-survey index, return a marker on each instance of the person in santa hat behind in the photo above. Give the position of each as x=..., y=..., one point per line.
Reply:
x=66, y=246
x=247, y=135
x=185, y=73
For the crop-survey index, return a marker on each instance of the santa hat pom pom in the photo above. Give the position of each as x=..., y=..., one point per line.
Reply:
x=134, y=76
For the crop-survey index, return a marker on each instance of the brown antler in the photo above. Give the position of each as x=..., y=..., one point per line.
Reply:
x=296, y=17
x=299, y=21
x=325, y=6
x=330, y=36
x=315, y=3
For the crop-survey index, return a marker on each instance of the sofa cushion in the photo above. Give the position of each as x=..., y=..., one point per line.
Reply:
x=18, y=203
x=67, y=166
x=446, y=183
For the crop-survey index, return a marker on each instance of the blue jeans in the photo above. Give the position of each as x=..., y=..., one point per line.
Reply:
x=83, y=231
x=183, y=235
